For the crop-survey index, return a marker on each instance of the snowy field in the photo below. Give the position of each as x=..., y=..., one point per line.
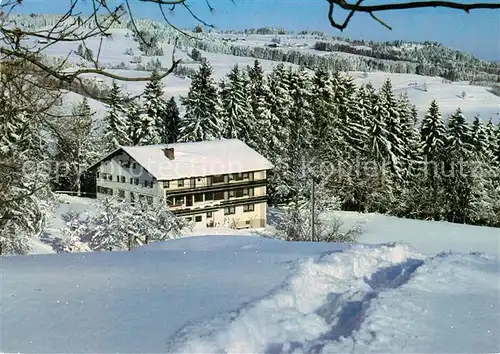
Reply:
x=408, y=286
x=478, y=100
x=240, y=294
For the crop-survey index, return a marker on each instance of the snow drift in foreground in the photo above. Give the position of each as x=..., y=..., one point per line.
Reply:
x=382, y=299
x=251, y=294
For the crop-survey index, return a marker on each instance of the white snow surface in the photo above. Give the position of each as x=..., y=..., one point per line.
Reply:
x=203, y=158
x=240, y=294
x=478, y=99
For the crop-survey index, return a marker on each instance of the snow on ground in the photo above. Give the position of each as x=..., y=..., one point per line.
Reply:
x=477, y=101
x=429, y=237
x=250, y=294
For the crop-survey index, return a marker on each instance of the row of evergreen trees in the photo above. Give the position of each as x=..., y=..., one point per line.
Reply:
x=128, y=122
x=361, y=145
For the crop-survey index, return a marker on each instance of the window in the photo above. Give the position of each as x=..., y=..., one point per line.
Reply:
x=132, y=197
x=245, y=191
x=110, y=177
x=239, y=193
x=209, y=215
x=122, y=179
x=231, y=177
x=248, y=207
x=248, y=191
x=166, y=184
x=198, y=179
x=136, y=181
x=245, y=175
x=198, y=218
x=218, y=179
x=209, y=196
x=117, y=178
x=97, y=174
x=219, y=195
x=198, y=198
x=180, y=183
x=121, y=193
x=229, y=211
x=149, y=199
x=131, y=180
x=238, y=177
x=146, y=183
x=231, y=194
x=247, y=222
x=175, y=201
x=189, y=219
x=134, y=165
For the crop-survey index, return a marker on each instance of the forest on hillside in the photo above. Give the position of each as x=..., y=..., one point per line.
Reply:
x=363, y=148
x=410, y=57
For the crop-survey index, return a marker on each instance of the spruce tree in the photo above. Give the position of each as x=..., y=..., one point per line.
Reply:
x=259, y=95
x=433, y=134
x=155, y=108
x=429, y=185
x=280, y=130
x=324, y=111
x=390, y=113
x=301, y=112
x=459, y=181
x=170, y=125
x=348, y=120
x=479, y=140
x=135, y=131
x=496, y=151
x=492, y=144
x=410, y=138
x=116, y=126
x=203, y=119
x=238, y=114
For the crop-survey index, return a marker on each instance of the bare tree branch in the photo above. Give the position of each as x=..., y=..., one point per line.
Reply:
x=372, y=9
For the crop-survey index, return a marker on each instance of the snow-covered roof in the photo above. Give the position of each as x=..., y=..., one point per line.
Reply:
x=192, y=159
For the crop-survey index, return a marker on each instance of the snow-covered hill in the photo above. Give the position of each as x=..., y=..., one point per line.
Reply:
x=477, y=101
x=250, y=294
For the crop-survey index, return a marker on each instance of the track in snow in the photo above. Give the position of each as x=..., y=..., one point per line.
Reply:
x=323, y=301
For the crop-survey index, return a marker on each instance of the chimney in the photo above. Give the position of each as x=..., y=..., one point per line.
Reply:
x=169, y=153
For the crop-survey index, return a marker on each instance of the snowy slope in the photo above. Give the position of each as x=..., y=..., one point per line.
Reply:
x=479, y=100
x=428, y=237
x=249, y=294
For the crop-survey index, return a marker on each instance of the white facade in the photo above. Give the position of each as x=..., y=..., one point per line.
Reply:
x=236, y=198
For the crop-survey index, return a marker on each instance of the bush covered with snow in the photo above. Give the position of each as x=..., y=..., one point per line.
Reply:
x=118, y=225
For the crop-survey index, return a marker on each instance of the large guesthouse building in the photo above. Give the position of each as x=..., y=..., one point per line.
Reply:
x=211, y=183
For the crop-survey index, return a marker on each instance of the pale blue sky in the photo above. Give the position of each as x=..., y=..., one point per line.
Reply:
x=477, y=32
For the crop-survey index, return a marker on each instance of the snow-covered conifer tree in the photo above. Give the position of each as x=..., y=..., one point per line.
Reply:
x=238, y=113
x=259, y=95
x=458, y=182
x=155, y=108
x=203, y=119
x=116, y=128
x=388, y=109
x=427, y=195
x=171, y=123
